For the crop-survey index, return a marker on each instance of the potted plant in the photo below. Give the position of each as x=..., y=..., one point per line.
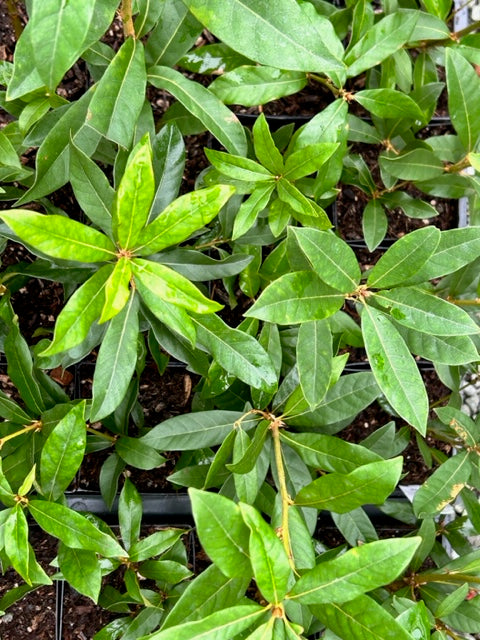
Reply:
x=245, y=281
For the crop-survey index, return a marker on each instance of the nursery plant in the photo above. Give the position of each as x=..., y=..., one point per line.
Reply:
x=240, y=276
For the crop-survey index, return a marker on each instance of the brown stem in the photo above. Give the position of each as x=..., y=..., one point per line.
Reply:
x=325, y=82
x=127, y=18
x=12, y=10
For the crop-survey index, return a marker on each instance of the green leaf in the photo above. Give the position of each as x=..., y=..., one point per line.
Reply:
x=137, y=454
x=271, y=567
x=197, y=266
x=174, y=34
x=423, y=311
x=116, y=361
x=212, y=57
x=265, y=148
x=251, y=208
x=117, y=289
x=360, y=619
x=222, y=532
x=182, y=218
x=327, y=452
x=308, y=159
x=210, y=591
x=63, y=452
x=394, y=368
x=463, y=425
x=404, y=258
x=77, y=317
x=359, y=570
x=370, y=483
x=226, y=623
x=296, y=297
x=303, y=209
x=171, y=287
x=216, y=117
x=82, y=570
x=129, y=513
x=59, y=237
x=16, y=541
x=463, y=85
x=343, y=401
x=443, y=485
x=238, y=168
x=155, y=544
x=451, y=350
x=9, y=410
x=452, y=601
x=91, y=188
x=53, y=155
x=329, y=256
x=389, y=103
x=374, y=224
x=119, y=95
x=418, y=164
x=73, y=529
x=168, y=166
x=314, y=360
x=380, y=41
x=165, y=571
x=251, y=86
x=196, y=430
x=236, y=352
x=20, y=369
x=54, y=38
x=288, y=38
x=355, y=526
x=134, y=196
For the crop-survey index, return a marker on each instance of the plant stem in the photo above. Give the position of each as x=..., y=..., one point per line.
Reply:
x=286, y=500
x=106, y=436
x=464, y=303
x=326, y=83
x=36, y=426
x=12, y=10
x=127, y=18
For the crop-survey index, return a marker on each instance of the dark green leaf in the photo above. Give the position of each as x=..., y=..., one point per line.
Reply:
x=463, y=85
x=82, y=570
x=175, y=32
x=374, y=224
x=389, y=103
x=265, y=148
x=314, y=360
x=418, y=164
x=137, y=454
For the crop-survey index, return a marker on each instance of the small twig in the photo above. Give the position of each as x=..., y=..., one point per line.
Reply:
x=12, y=10
x=127, y=18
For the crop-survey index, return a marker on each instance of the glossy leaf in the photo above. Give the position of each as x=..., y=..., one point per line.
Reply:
x=289, y=39
x=117, y=290
x=237, y=167
x=331, y=258
x=91, y=188
x=59, y=237
x=220, y=624
x=452, y=350
x=265, y=148
x=119, y=96
x=253, y=85
x=134, y=196
x=237, y=352
x=199, y=267
x=314, y=360
x=418, y=164
x=463, y=85
x=137, y=454
x=374, y=224
x=271, y=567
x=16, y=541
x=394, y=368
x=443, y=486
x=168, y=166
x=11, y=411
x=195, y=430
x=63, y=452
x=116, y=361
x=462, y=424
x=155, y=544
x=182, y=218
x=308, y=159
x=73, y=529
x=360, y=619
x=404, y=258
x=216, y=117
x=355, y=572
x=423, y=311
x=170, y=287
x=379, y=42
x=79, y=314
x=54, y=38
x=82, y=570
x=388, y=103
x=251, y=208
x=222, y=532
x=326, y=452
x=129, y=513
x=296, y=297
x=370, y=483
